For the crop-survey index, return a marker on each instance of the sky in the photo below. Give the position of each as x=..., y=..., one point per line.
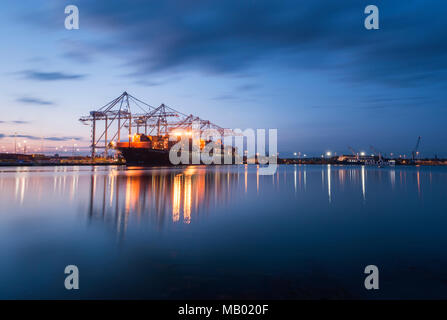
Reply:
x=309, y=69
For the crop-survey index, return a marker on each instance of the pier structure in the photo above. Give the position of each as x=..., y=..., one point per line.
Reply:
x=130, y=114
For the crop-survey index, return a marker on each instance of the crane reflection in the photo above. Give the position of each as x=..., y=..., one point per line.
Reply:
x=120, y=197
x=160, y=196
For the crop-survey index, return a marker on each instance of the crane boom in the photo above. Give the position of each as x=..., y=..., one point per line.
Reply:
x=353, y=152
x=416, y=148
x=376, y=151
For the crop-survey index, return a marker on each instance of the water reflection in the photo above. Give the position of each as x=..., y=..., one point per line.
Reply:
x=363, y=183
x=393, y=177
x=329, y=182
x=160, y=229
x=419, y=183
x=181, y=196
x=159, y=196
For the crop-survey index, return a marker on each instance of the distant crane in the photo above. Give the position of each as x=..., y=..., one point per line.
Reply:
x=353, y=152
x=415, y=151
x=376, y=151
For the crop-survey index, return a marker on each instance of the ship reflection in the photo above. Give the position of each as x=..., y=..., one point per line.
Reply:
x=158, y=196
x=161, y=198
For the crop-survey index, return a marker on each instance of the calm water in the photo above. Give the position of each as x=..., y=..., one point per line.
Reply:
x=223, y=232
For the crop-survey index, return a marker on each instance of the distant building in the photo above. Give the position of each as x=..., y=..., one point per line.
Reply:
x=357, y=159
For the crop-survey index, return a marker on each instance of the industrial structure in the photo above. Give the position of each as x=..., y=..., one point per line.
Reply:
x=415, y=151
x=129, y=113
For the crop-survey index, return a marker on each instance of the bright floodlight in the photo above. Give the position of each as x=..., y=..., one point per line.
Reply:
x=362, y=153
x=328, y=153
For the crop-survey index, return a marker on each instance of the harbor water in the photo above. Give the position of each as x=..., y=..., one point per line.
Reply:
x=223, y=232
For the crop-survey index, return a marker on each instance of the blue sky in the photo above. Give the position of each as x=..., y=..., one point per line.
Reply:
x=309, y=69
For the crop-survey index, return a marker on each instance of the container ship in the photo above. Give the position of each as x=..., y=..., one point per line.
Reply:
x=148, y=150
x=163, y=128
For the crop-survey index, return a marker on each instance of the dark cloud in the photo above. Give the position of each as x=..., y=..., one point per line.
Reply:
x=63, y=138
x=247, y=87
x=31, y=100
x=51, y=76
x=78, y=51
x=148, y=83
x=16, y=122
x=20, y=122
x=226, y=97
x=32, y=137
x=231, y=36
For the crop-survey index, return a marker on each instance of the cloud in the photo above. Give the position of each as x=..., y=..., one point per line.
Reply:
x=63, y=138
x=50, y=76
x=31, y=100
x=15, y=122
x=32, y=137
x=248, y=87
x=225, y=97
x=232, y=36
x=78, y=51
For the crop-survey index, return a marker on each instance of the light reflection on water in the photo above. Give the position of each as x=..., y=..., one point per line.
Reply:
x=180, y=195
x=310, y=220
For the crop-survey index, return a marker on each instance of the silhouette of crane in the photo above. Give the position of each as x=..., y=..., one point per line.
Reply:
x=354, y=152
x=376, y=152
x=415, y=151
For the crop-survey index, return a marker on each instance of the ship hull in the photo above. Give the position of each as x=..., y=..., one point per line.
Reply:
x=152, y=157
x=145, y=157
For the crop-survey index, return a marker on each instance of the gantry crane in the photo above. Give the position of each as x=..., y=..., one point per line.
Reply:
x=159, y=121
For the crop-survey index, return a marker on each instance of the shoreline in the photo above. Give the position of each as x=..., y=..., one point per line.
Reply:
x=68, y=164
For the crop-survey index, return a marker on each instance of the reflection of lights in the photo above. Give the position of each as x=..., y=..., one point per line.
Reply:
x=187, y=201
x=419, y=183
x=246, y=177
x=329, y=182
x=128, y=194
x=176, y=198
x=363, y=183
x=294, y=178
x=190, y=170
x=305, y=179
x=393, y=177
